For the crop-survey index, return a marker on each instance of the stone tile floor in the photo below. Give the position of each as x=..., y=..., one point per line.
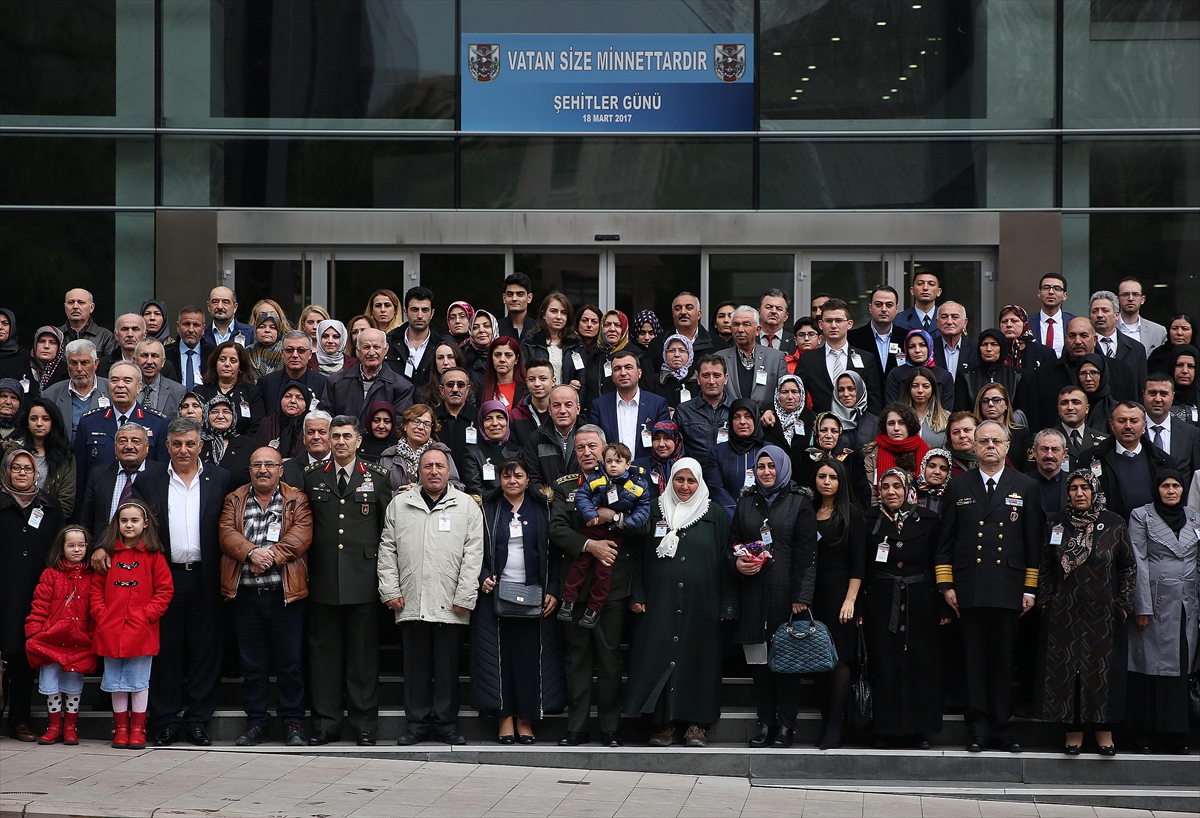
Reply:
x=95, y=780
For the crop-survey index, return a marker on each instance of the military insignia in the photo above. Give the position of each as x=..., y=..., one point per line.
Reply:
x=729, y=61
x=1013, y=516
x=1014, y=500
x=366, y=509
x=483, y=61
x=95, y=453
x=965, y=501
x=313, y=466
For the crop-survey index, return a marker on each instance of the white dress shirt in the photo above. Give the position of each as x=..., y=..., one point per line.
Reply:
x=1165, y=434
x=415, y=354
x=627, y=420
x=1106, y=345
x=1133, y=330
x=837, y=361
x=183, y=500
x=921, y=316
x=1134, y=452
x=763, y=338
x=996, y=477
x=1059, y=330
x=197, y=364
x=883, y=346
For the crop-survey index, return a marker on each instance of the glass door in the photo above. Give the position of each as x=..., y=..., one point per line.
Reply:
x=964, y=278
x=849, y=276
x=284, y=275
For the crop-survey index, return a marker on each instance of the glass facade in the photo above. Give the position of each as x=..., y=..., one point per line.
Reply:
x=114, y=110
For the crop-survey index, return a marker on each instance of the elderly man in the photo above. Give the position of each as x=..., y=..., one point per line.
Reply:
x=1127, y=463
x=316, y=448
x=599, y=647
x=82, y=392
x=1149, y=334
x=266, y=529
x=190, y=353
x=987, y=569
x=130, y=331
x=1038, y=392
x=349, y=499
x=685, y=314
x=1053, y=464
x=954, y=351
x=550, y=450
x=188, y=504
x=430, y=557
x=704, y=420
x=960, y=437
x=773, y=314
x=109, y=485
x=222, y=308
x=297, y=351
x=456, y=413
x=79, y=306
x=1127, y=362
x=353, y=390
x=754, y=369
x=159, y=392
x=628, y=415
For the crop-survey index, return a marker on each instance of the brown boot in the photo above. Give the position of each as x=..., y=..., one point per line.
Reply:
x=70, y=734
x=53, y=731
x=694, y=737
x=121, y=730
x=137, y=731
x=664, y=737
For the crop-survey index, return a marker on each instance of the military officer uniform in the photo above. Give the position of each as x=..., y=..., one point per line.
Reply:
x=988, y=556
x=96, y=436
x=599, y=647
x=343, y=596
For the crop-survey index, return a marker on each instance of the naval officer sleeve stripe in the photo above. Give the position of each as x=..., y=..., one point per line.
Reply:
x=1031, y=577
x=943, y=574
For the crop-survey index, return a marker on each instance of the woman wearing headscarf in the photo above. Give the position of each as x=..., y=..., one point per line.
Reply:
x=45, y=437
x=676, y=381
x=731, y=463
x=850, y=405
x=614, y=338
x=990, y=369
x=1023, y=350
x=680, y=585
x=918, y=352
x=932, y=479
x=1181, y=330
x=266, y=353
x=283, y=429
x=458, y=321
x=1181, y=366
x=158, y=327
x=897, y=445
x=382, y=432
x=29, y=521
x=901, y=610
x=220, y=443
x=825, y=443
x=1166, y=544
x=793, y=422
x=46, y=360
x=645, y=329
x=775, y=513
x=329, y=354
x=484, y=330
x=12, y=413
x=14, y=359
x=1085, y=592
x=493, y=446
x=666, y=448
x=1093, y=377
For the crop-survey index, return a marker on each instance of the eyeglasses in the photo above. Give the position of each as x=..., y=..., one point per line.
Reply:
x=992, y=401
x=1052, y=288
x=22, y=469
x=421, y=424
x=264, y=464
x=455, y=384
x=1089, y=375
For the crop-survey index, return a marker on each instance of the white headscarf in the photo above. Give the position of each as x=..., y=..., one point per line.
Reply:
x=325, y=361
x=677, y=515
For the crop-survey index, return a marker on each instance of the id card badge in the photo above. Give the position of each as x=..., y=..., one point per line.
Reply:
x=901, y=360
x=274, y=529
x=684, y=394
x=654, y=477
x=749, y=481
x=489, y=471
x=25, y=384
x=760, y=377
x=35, y=518
x=245, y=408
x=240, y=339
x=577, y=359
x=764, y=534
x=103, y=402
x=274, y=444
x=1066, y=466
x=608, y=369
x=881, y=551
x=1096, y=467
x=443, y=522
x=472, y=434
x=314, y=404
x=611, y=497
x=723, y=435
x=856, y=359
x=503, y=399
x=647, y=438
x=1056, y=535
x=514, y=528
x=660, y=529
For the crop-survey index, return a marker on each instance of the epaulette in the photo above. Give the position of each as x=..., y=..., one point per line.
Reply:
x=375, y=467
x=90, y=412
x=155, y=413
x=314, y=465
x=567, y=478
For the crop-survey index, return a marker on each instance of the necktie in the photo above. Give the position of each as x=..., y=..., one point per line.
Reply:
x=147, y=396
x=771, y=341
x=127, y=489
x=1156, y=438
x=342, y=482
x=1050, y=332
x=121, y=421
x=1076, y=441
x=1108, y=346
x=1129, y=453
x=927, y=323
x=991, y=487
x=189, y=375
x=839, y=363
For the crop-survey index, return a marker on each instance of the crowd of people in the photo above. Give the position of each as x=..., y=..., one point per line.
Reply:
x=1010, y=519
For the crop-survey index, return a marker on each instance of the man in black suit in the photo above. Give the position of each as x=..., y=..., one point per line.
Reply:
x=1126, y=464
x=411, y=345
x=1129, y=373
x=1053, y=465
x=772, y=316
x=1180, y=442
x=297, y=350
x=107, y=485
x=820, y=367
x=881, y=336
x=190, y=353
x=188, y=505
x=953, y=351
x=987, y=569
x=1038, y=393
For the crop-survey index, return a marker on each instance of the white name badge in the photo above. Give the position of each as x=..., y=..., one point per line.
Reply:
x=314, y=404
x=1066, y=466
x=647, y=438
x=274, y=529
x=894, y=348
x=722, y=435
x=245, y=409
x=611, y=496
x=443, y=522
x=660, y=529
x=103, y=402
x=749, y=481
x=901, y=360
x=504, y=400
x=764, y=534
x=472, y=435
x=240, y=339
x=514, y=528
x=577, y=359
x=684, y=395
x=760, y=377
x=881, y=552
x=35, y=518
x=489, y=471
x=654, y=477
x=856, y=359
x=274, y=444
x=24, y=383
x=608, y=369
x=1096, y=467
x=1056, y=535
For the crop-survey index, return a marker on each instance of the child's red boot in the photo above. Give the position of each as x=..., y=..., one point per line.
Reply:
x=70, y=733
x=121, y=730
x=137, y=731
x=53, y=731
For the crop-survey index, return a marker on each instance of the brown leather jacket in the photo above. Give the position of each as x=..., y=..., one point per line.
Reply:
x=294, y=540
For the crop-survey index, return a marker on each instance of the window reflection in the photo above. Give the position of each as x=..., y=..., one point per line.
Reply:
x=650, y=281
x=1161, y=249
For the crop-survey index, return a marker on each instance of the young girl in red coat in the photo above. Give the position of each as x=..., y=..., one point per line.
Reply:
x=58, y=632
x=127, y=603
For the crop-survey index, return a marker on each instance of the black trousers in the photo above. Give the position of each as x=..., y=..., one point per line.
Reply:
x=598, y=648
x=776, y=696
x=989, y=635
x=270, y=633
x=18, y=688
x=194, y=619
x=431, y=675
x=343, y=646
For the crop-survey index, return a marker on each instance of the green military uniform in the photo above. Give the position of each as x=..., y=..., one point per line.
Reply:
x=343, y=621
x=599, y=647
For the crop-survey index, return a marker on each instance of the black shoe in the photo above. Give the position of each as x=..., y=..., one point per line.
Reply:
x=453, y=737
x=611, y=740
x=166, y=737
x=366, y=739
x=521, y=740
x=253, y=736
x=411, y=737
x=1072, y=750
x=589, y=619
x=293, y=735
x=565, y=611
x=920, y=742
x=1009, y=745
x=977, y=745
x=784, y=737
x=887, y=744
x=509, y=739
x=1108, y=750
x=1143, y=749
x=199, y=737
x=574, y=738
x=321, y=738
x=832, y=739
x=764, y=737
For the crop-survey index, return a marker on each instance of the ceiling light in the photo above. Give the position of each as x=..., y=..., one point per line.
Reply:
x=778, y=53
x=812, y=68
x=804, y=79
x=916, y=5
x=794, y=98
x=922, y=52
x=1160, y=286
x=914, y=65
x=881, y=23
x=904, y=78
x=835, y=39
x=885, y=96
x=895, y=90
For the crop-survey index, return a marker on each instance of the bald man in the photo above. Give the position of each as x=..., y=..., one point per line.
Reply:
x=79, y=306
x=222, y=309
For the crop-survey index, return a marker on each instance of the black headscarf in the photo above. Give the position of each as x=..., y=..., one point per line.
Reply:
x=10, y=346
x=745, y=445
x=989, y=368
x=165, y=332
x=292, y=429
x=1174, y=516
x=1100, y=402
x=1183, y=394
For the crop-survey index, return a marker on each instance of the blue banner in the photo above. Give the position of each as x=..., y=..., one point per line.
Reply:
x=607, y=83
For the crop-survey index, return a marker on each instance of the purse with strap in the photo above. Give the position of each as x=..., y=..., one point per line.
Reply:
x=802, y=646
x=862, y=703
x=517, y=601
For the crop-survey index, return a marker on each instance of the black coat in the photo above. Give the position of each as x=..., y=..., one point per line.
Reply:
x=238, y=453
x=243, y=395
x=789, y=576
x=546, y=458
x=92, y=510
x=397, y=354
x=343, y=393
x=973, y=379
x=476, y=455
x=23, y=550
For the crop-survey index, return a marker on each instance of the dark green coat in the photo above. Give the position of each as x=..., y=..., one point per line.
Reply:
x=568, y=535
x=678, y=641
x=346, y=532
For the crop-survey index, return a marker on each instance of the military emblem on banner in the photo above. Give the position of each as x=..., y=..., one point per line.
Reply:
x=729, y=61
x=483, y=61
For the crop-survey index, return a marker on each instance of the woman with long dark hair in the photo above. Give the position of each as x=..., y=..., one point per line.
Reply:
x=994, y=403
x=383, y=310
x=228, y=373
x=553, y=338
x=446, y=355
x=587, y=327
x=828, y=442
x=504, y=375
x=898, y=444
x=921, y=392
x=1181, y=330
x=918, y=353
x=45, y=437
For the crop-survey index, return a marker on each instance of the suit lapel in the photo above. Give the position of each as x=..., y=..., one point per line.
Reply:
x=975, y=486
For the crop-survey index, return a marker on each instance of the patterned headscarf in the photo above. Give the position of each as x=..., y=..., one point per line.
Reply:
x=678, y=374
x=490, y=406
x=663, y=467
x=928, y=346
x=910, y=497
x=934, y=491
x=789, y=422
x=46, y=372
x=1013, y=357
x=647, y=317
x=815, y=452
x=467, y=308
x=1077, y=549
x=218, y=439
x=622, y=341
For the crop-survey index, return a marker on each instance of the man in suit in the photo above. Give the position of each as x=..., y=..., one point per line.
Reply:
x=1180, y=442
x=1072, y=422
x=1128, y=356
x=130, y=331
x=349, y=499
x=766, y=366
x=222, y=308
x=82, y=392
x=952, y=349
x=819, y=369
x=1053, y=465
x=411, y=345
x=109, y=484
x=685, y=314
x=550, y=449
x=79, y=306
x=316, y=448
x=773, y=314
x=628, y=415
x=96, y=436
x=1127, y=463
x=159, y=392
x=1052, y=319
x=987, y=569
x=188, y=506
x=925, y=291
x=1038, y=393
x=353, y=390
x=190, y=353
x=517, y=297
x=297, y=350
x=1131, y=324
x=881, y=336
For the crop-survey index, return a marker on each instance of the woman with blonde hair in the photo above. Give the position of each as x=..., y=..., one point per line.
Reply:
x=310, y=316
x=383, y=310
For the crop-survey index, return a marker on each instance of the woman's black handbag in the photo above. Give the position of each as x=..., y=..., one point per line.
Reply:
x=1194, y=694
x=517, y=601
x=802, y=646
x=862, y=705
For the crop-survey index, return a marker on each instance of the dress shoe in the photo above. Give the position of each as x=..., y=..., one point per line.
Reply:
x=977, y=745
x=611, y=740
x=1072, y=750
x=524, y=740
x=506, y=740
x=366, y=739
x=764, y=736
x=1108, y=750
x=1143, y=749
x=166, y=737
x=21, y=732
x=574, y=738
x=664, y=737
x=784, y=737
x=411, y=737
x=321, y=738
x=199, y=737
x=1009, y=745
x=252, y=737
x=293, y=735
x=453, y=738
x=920, y=742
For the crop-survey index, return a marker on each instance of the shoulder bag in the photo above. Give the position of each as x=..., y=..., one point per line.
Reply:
x=517, y=601
x=862, y=704
x=802, y=646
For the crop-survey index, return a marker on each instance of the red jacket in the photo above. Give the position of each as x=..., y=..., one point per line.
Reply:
x=59, y=628
x=129, y=600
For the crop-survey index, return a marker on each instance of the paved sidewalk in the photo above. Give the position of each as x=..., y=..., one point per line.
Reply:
x=95, y=780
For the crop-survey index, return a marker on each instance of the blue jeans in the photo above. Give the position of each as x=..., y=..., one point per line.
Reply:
x=269, y=633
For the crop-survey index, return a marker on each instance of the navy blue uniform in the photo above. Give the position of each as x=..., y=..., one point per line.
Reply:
x=97, y=434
